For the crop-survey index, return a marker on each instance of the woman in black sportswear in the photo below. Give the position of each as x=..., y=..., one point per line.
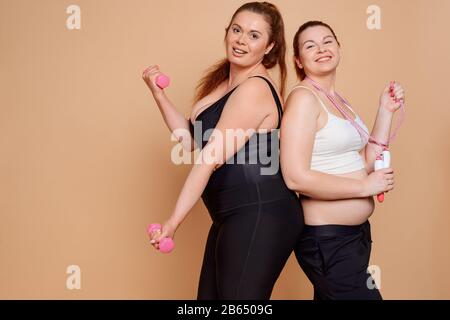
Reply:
x=256, y=219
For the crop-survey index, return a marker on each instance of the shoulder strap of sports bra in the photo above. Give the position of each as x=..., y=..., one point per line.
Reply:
x=276, y=98
x=317, y=96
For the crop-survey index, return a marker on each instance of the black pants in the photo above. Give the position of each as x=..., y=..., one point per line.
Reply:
x=335, y=259
x=255, y=228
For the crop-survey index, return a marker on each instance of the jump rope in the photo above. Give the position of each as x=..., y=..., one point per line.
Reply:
x=383, y=159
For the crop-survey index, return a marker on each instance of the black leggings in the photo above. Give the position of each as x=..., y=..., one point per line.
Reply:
x=335, y=259
x=255, y=228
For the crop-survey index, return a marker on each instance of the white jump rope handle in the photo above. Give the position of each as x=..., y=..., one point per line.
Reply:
x=382, y=162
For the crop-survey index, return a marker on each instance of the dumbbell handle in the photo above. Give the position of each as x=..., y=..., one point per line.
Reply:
x=166, y=245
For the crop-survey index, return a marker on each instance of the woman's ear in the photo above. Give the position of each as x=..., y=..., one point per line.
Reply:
x=269, y=48
x=298, y=63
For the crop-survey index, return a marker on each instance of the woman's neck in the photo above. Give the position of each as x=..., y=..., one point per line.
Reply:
x=238, y=74
x=326, y=82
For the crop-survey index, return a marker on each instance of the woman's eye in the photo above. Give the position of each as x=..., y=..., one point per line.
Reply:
x=329, y=41
x=254, y=36
x=235, y=30
x=309, y=47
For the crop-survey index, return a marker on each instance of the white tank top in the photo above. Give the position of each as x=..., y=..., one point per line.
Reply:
x=337, y=145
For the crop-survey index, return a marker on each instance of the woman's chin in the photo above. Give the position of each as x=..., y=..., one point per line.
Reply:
x=327, y=69
x=324, y=71
x=237, y=61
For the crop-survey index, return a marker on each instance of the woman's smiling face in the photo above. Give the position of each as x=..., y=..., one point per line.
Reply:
x=247, y=39
x=319, y=51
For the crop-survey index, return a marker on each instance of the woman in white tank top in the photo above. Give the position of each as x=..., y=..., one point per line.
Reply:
x=330, y=164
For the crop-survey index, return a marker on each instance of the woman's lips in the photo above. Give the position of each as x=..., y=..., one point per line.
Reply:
x=324, y=59
x=238, y=52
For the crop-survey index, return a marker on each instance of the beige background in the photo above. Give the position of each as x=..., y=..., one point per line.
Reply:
x=85, y=157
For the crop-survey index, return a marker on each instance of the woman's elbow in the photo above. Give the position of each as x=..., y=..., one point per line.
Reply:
x=290, y=184
x=295, y=182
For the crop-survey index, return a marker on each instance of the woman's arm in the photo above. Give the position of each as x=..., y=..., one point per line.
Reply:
x=245, y=110
x=175, y=121
x=380, y=132
x=298, y=130
x=382, y=126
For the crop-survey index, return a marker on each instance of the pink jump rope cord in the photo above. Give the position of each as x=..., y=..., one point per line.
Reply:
x=166, y=245
x=361, y=131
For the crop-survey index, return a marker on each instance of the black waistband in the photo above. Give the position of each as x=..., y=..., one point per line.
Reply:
x=245, y=194
x=334, y=229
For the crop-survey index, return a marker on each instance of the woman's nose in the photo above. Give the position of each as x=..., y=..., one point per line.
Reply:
x=320, y=48
x=240, y=38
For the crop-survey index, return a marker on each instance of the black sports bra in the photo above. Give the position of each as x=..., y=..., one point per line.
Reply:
x=256, y=161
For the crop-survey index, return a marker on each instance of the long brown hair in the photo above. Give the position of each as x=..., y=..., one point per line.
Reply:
x=219, y=72
x=301, y=72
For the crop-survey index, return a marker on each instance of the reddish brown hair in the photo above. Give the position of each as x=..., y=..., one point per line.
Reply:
x=219, y=72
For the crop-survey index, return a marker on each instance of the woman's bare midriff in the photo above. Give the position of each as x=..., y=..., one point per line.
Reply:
x=343, y=212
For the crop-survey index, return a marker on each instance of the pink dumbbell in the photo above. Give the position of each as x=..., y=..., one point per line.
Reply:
x=166, y=245
x=162, y=81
